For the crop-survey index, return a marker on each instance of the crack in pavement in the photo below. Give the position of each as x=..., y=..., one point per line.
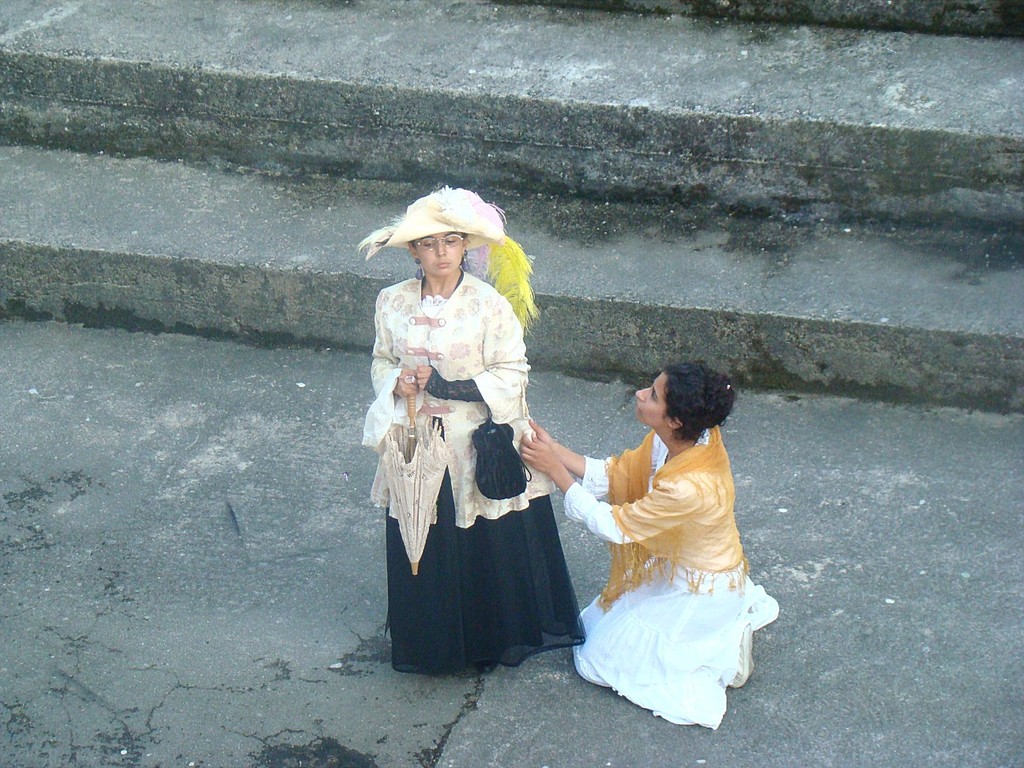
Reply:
x=429, y=757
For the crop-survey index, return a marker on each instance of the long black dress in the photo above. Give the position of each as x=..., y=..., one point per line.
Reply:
x=498, y=590
x=493, y=593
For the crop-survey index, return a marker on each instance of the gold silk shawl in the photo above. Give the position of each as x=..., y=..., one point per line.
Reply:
x=685, y=520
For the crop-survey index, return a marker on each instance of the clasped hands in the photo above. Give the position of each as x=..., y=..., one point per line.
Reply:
x=412, y=381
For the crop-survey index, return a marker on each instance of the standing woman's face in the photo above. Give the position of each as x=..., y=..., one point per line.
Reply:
x=440, y=255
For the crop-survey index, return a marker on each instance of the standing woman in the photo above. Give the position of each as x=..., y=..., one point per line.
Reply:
x=492, y=585
x=673, y=627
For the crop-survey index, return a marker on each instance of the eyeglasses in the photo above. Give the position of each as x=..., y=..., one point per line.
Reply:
x=432, y=244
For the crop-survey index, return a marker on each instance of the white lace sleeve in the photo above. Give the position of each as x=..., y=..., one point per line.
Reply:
x=581, y=506
x=595, y=477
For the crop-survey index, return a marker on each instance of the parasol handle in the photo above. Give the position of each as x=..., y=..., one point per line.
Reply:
x=410, y=408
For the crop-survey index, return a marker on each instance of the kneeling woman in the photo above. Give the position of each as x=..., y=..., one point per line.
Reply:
x=492, y=586
x=673, y=627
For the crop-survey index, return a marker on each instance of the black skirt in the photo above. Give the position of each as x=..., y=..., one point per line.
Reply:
x=493, y=593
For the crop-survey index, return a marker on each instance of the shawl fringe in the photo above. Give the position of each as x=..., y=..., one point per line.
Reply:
x=633, y=566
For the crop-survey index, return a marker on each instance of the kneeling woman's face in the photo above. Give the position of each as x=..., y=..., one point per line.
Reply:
x=650, y=407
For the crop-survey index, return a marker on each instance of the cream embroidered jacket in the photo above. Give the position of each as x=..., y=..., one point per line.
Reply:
x=475, y=335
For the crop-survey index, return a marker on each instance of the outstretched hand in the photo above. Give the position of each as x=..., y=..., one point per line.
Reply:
x=540, y=447
x=541, y=434
x=539, y=451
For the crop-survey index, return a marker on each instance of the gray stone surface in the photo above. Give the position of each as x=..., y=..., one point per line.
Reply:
x=530, y=98
x=982, y=17
x=191, y=575
x=927, y=314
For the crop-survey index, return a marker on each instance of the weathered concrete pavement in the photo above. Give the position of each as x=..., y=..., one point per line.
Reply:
x=192, y=576
x=190, y=572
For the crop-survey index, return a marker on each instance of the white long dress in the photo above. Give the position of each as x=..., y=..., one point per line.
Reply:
x=663, y=646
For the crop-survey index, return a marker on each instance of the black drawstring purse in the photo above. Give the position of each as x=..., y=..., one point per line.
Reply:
x=500, y=471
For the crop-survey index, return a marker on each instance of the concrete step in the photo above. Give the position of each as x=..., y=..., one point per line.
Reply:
x=209, y=502
x=532, y=99
x=801, y=304
x=946, y=17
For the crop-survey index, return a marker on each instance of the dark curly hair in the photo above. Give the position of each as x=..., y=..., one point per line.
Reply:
x=698, y=397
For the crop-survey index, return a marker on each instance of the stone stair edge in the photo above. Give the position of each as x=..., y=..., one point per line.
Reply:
x=774, y=350
x=593, y=337
x=610, y=150
x=656, y=254
x=39, y=75
x=755, y=149
x=939, y=17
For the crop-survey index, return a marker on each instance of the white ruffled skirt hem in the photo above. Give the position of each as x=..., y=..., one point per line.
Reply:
x=671, y=650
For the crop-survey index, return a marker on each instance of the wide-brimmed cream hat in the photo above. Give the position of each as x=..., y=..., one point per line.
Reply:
x=490, y=253
x=446, y=210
